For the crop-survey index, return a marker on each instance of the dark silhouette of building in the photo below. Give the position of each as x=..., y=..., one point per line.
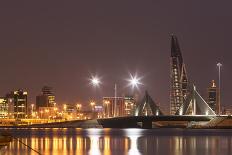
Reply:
x=179, y=79
x=212, y=98
x=46, y=99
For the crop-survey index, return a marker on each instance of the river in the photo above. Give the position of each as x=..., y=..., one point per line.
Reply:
x=68, y=141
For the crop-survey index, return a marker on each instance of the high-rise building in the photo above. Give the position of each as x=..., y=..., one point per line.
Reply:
x=19, y=100
x=10, y=102
x=46, y=99
x=4, y=110
x=212, y=98
x=179, y=79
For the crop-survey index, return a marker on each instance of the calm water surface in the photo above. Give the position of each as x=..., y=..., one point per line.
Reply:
x=120, y=142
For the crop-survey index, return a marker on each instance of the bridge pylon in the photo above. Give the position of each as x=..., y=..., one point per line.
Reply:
x=147, y=107
x=194, y=104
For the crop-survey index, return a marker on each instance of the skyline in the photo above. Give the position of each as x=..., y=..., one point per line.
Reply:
x=58, y=52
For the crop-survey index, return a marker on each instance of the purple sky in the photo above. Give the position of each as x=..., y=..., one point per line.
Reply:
x=61, y=43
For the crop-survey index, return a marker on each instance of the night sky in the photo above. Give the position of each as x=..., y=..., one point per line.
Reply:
x=61, y=44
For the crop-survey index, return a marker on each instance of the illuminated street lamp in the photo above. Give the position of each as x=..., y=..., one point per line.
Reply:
x=46, y=110
x=107, y=102
x=32, y=110
x=65, y=107
x=78, y=107
x=95, y=81
x=134, y=81
x=41, y=114
x=92, y=103
x=219, y=65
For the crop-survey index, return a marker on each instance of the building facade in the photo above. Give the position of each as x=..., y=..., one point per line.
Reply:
x=4, y=108
x=179, y=79
x=69, y=112
x=212, y=97
x=130, y=105
x=17, y=104
x=47, y=112
x=119, y=106
x=46, y=98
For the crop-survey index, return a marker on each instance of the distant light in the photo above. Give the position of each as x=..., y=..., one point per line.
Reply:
x=134, y=81
x=95, y=81
x=92, y=103
x=219, y=64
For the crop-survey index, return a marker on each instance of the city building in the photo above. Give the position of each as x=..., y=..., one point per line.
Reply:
x=46, y=98
x=69, y=112
x=119, y=106
x=179, y=79
x=212, y=97
x=4, y=110
x=17, y=103
x=10, y=102
x=98, y=111
x=113, y=107
x=48, y=112
x=130, y=105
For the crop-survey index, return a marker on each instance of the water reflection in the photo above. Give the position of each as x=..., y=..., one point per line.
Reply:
x=110, y=142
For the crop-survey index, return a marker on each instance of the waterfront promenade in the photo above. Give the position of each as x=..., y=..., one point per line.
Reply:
x=133, y=122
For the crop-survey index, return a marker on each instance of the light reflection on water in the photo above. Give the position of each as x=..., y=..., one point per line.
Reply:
x=120, y=141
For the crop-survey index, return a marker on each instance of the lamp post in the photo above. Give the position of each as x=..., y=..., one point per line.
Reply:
x=115, y=99
x=219, y=65
x=106, y=110
x=134, y=83
x=92, y=104
x=32, y=110
x=78, y=106
x=95, y=81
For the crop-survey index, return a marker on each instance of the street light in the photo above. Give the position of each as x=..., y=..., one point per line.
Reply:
x=92, y=103
x=32, y=110
x=106, y=111
x=78, y=107
x=134, y=81
x=65, y=107
x=95, y=81
x=219, y=65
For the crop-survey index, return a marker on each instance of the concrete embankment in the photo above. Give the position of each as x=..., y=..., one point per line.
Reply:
x=69, y=124
x=66, y=124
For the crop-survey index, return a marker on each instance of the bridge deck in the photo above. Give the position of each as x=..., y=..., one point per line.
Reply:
x=146, y=121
